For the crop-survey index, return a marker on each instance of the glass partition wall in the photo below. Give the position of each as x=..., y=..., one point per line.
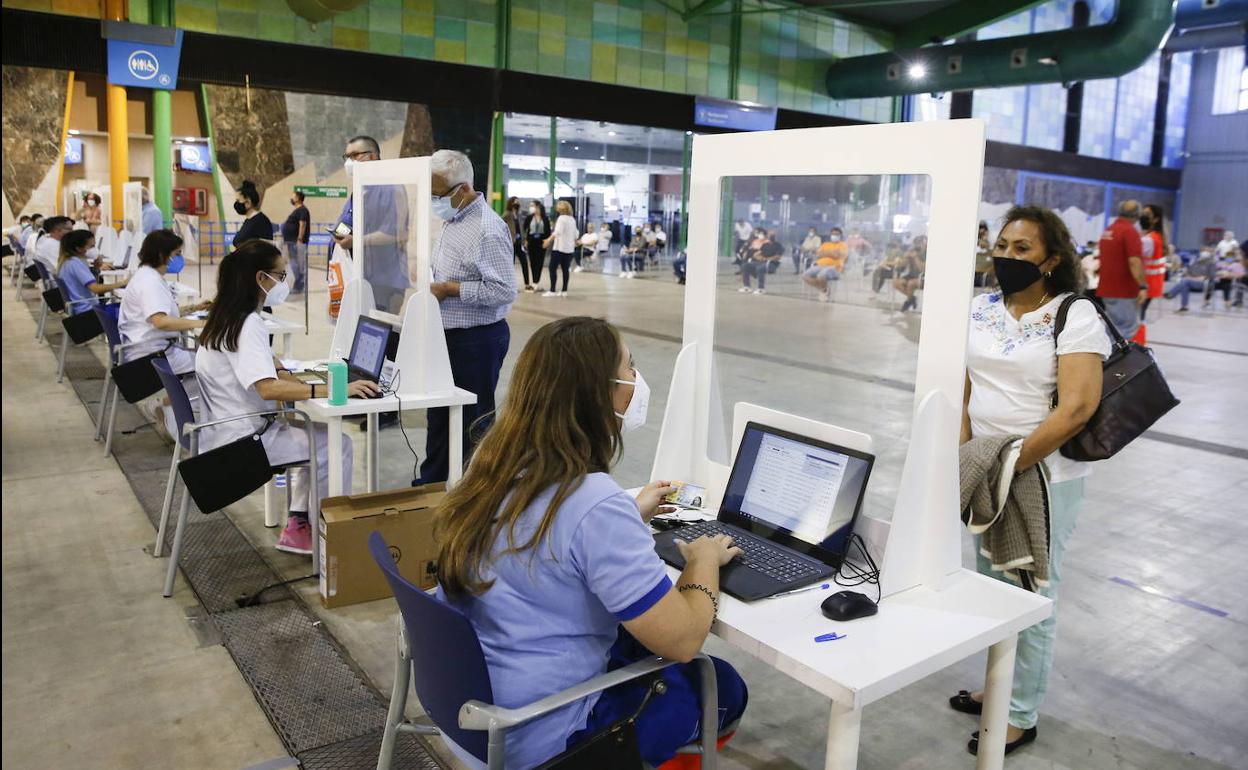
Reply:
x=821, y=280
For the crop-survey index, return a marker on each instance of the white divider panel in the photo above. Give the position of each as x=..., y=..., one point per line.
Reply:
x=922, y=540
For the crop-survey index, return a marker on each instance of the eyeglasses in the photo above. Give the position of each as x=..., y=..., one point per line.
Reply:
x=279, y=277
x=356, y=154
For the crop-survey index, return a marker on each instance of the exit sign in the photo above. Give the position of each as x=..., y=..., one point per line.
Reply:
x=317, y=191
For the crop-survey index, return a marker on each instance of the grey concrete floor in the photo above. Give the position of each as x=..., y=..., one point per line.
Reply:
x=1141, y=680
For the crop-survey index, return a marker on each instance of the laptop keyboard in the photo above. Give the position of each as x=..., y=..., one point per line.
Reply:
x=756, y=554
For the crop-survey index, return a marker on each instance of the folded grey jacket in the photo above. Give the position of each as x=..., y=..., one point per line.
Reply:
x=1010, y=513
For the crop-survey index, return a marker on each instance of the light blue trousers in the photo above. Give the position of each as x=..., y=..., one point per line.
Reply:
x=1035, y=644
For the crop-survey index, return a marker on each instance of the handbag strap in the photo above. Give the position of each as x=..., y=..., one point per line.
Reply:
x=1058, y=325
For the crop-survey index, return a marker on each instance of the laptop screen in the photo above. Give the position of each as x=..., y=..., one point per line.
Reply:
x=368, y=350
x=798, y=491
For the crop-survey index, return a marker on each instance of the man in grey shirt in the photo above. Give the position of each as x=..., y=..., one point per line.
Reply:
x=1199, y=277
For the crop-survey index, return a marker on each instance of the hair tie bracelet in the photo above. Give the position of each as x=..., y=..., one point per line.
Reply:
x=709, y=595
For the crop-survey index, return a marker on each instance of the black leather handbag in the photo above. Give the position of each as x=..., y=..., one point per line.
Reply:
x=1134, y=394
x=227, y=474
x=137, y=379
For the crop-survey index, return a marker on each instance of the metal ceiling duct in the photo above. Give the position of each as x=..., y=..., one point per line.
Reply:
x=1110, y=50
x=1209, y=24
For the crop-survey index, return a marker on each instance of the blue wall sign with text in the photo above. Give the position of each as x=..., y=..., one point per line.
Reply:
x=144, y=65
x=194, y=157
x=741, y=116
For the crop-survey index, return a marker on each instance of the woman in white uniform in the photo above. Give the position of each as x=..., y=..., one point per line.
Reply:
x=149, y=313
x=238, y=374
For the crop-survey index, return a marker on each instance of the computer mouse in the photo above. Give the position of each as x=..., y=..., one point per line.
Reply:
x=848, y=605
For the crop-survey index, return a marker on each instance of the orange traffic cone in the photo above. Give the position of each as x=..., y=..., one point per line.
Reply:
x=1141, y=335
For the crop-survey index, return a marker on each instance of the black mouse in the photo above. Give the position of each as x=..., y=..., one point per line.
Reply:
x=848, y=605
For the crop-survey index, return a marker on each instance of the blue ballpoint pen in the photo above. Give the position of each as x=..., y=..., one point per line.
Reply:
x=801, y=590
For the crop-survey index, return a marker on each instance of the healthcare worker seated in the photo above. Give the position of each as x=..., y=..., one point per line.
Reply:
x=554, y=564
x=149, y=313
x=76, y=274
x=238, y=374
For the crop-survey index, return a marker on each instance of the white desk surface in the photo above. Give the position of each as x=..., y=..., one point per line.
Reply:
x=321, y=410
x=916, y=633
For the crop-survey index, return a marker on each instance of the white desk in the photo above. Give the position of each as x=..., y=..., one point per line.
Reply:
x=916, y=633
x=320, y=410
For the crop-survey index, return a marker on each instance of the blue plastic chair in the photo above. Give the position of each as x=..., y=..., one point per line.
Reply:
x=69, y=304
x=46, y=281
x=116, y=349
x=438, y=651
x=188, y=440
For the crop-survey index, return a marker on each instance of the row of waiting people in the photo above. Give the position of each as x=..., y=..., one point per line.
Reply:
x=224, y=361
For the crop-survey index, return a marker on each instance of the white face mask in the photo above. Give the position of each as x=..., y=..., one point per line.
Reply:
x=348, y=165
x=635, y=415
x=278, y=294
x=92, y=254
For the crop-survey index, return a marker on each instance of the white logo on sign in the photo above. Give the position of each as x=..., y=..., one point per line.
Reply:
x=190, y=154
x=143, y=65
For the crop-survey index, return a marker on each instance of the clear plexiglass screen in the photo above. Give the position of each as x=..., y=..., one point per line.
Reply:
x=818, y=310
x=385, y=243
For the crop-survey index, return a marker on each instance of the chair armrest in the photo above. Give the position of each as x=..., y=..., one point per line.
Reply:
x=475, y=715
x=198, y=426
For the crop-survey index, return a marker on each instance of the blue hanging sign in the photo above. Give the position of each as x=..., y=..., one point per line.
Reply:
x=144, y=64
x=73, y=151
x=740, y=116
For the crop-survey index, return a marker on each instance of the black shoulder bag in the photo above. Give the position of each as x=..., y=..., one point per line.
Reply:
x=1134, y=394
x=227, y=474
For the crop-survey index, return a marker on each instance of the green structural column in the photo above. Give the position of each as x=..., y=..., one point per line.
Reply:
x=734, y=52
x=726, y=201
x=684, y=191
x=554, y=156
x=162, y=127
x=498, y=187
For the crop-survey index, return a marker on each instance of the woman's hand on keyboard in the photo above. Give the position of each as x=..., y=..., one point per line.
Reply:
x=719, y=548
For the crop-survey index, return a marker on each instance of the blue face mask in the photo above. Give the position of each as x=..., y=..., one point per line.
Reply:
x=175, y=265
x=442, y=206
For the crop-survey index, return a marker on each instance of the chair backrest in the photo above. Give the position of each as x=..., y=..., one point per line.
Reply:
x=447, y=663
x=111, y=332
x=181, y=403
x=44, y=275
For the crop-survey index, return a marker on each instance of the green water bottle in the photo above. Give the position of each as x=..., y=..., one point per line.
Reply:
x=337, y=383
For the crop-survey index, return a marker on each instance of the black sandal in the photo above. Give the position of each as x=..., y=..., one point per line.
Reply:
x=1027, y=737
x=964, y=703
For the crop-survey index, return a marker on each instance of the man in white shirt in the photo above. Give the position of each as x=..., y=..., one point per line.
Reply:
x=603, y=247
x=742, y=231
x=1227, y=245
x=48, y=248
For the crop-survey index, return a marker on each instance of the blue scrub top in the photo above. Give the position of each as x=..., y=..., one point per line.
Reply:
x=74, y=278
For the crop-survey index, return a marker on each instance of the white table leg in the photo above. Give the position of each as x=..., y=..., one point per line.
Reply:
x=272, y=507
x=371, y=434
x=993, y=721
x=334, y=453
x=844, y=725
x=456, y=453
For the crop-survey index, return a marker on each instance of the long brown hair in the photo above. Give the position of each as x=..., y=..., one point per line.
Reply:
x=556, y=425
x=238, y=294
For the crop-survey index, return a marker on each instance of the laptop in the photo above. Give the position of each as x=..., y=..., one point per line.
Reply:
x=790, y=505
x=368, y=350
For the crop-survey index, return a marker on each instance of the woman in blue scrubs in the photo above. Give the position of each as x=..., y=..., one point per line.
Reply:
x=554, y=564
x=78, y=281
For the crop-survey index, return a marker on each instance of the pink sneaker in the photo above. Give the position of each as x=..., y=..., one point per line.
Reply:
x=296, y=537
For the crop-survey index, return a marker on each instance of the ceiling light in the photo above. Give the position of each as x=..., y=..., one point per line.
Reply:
x=688, y=133
x=577, y=147
x=190, y=138
x=73, y=132
x=521, y=141
x=602, y=157
x=1048, y=61
x=917, y=71
x=610, y=133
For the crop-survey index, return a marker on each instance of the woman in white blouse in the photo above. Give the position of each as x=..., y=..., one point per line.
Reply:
x=238, y=375
x=564, y=244
x=1014, y=366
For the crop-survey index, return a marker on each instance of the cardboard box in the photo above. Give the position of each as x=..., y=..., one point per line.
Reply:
x=404, y=517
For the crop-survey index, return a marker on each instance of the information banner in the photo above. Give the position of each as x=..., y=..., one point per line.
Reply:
x=321, y=191
x=741, y=116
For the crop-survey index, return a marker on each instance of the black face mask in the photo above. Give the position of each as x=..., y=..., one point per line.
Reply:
x=240, y=207
x=1014, y=275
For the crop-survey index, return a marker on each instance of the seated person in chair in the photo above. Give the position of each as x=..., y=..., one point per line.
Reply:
x=909, y=277
x=554, y=566
x=76, y=277
x=239, y=374
x=829, y=264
